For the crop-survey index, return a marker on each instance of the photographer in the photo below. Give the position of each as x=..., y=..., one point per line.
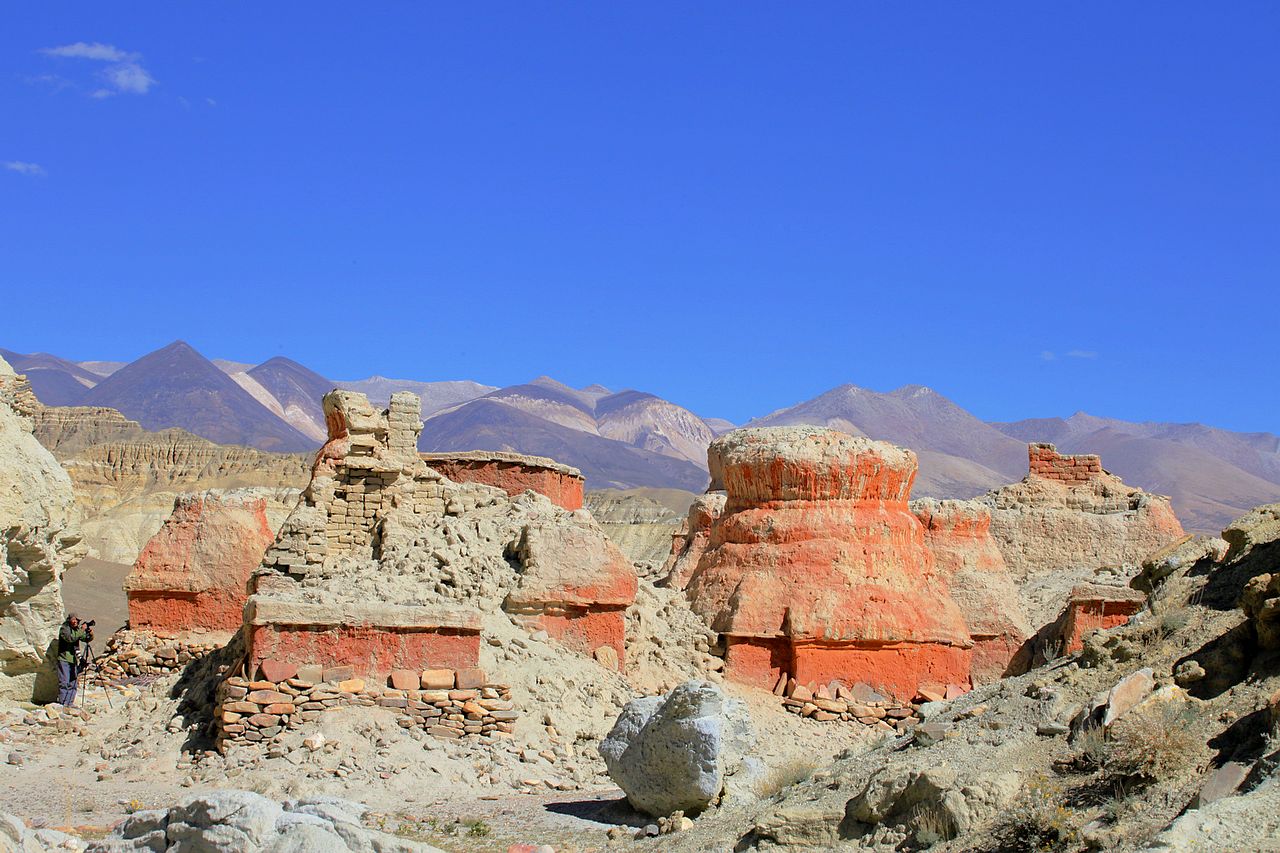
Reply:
x=71, y=635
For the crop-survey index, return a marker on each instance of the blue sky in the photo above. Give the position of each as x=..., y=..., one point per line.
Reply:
x=1032, y=208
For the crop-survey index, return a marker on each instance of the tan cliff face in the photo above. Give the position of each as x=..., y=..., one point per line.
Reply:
x=38, y=543
x=126, y=478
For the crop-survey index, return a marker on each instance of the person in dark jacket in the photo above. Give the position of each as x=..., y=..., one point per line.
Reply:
x=70, y=636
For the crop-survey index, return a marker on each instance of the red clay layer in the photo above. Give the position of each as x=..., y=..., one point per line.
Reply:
x=587, y=630
x=178, y=610
x=369, y=649
x=1085, y=616
x=564, y=490
x=896, y=670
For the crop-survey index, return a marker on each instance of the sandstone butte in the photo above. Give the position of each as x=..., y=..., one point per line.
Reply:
x=386, y=564
x=193, y=573
x=818, y=570
x=958, y=533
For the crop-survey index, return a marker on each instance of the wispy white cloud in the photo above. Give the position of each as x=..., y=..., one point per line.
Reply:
x=122, y=73
x=1048, y=355
x=1082, y=353
x=35, y=170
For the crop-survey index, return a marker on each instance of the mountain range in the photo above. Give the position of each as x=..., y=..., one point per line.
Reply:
x=631, y=439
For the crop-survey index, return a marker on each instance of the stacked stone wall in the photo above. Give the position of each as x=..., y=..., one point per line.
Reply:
x=141, y=654
x=1045, y=461
x=445, y=703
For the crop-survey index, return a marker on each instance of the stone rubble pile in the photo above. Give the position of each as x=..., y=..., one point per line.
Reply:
x=445, y=703
x=140, y=654
x=835, y=702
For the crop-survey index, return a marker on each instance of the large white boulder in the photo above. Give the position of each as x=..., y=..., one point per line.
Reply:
x=677, y=752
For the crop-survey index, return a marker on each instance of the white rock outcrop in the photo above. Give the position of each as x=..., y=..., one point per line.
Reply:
x=38, y=542
x=677, y=752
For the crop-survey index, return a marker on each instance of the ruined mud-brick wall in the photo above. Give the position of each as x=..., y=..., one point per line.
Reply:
x=513, y=473
x=1057, y=528
x=142, y=654
x=958, y=534
x=689, y=543
x=817, y=568
x=193, y=573
x=1094, y=607
x=1045, y=461
x=383, y=563
x=447, y=704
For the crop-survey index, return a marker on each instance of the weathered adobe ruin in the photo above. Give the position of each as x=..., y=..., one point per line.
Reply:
x=689, y=542
x=513, y=473
x=192, y=575
x=817, y=569
x=1070, y=513
x=958, y=534
x=386, y=564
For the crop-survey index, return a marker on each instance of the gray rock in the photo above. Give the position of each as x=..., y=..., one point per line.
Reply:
x=227, y=821
x=678, y=752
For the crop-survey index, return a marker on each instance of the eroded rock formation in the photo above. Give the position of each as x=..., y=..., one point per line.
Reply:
x=690, y=542
x=38, y=542
x=958, y=533
x=193, y=574
x=387, y=564
x=1069, y=518
x=818, y=568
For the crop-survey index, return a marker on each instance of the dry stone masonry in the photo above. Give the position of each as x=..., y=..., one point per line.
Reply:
x=445, y=703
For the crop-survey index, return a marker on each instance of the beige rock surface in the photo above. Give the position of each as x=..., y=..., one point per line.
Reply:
x=640, y=521
x=126, y=478
x=38, y=542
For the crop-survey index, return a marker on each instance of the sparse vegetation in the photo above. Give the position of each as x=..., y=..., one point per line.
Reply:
x=1160, y=744
x=788, y=773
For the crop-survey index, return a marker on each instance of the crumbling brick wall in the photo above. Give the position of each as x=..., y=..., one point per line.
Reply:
x=513, y=473
x=1045, y=461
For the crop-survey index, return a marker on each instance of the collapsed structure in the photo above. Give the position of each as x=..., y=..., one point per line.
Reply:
x=513, y=473
x=958, y=534
x=192, y=575
x=817, y=569
x=387, y=564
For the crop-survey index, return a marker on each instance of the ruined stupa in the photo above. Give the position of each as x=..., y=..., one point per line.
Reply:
x=817, y=568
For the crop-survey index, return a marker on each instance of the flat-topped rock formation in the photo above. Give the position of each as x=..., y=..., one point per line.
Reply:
x=193, y=574
x=1068, y=518
x=817, y=569
x=38, y=543
x=387, y=563
x=513, y=473
x=958, y=533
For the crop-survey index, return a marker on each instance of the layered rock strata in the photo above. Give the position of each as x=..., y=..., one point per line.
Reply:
x=126, y=478
x=1069, y=518
x=387, y=564
x=193, y=574
x=958, y=533
x=39, y=541
x=817, y=567
x=513, y=473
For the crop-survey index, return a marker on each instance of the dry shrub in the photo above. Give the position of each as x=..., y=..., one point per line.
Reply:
x=1040, y=820
x=1159, y=743
x=790, y=772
